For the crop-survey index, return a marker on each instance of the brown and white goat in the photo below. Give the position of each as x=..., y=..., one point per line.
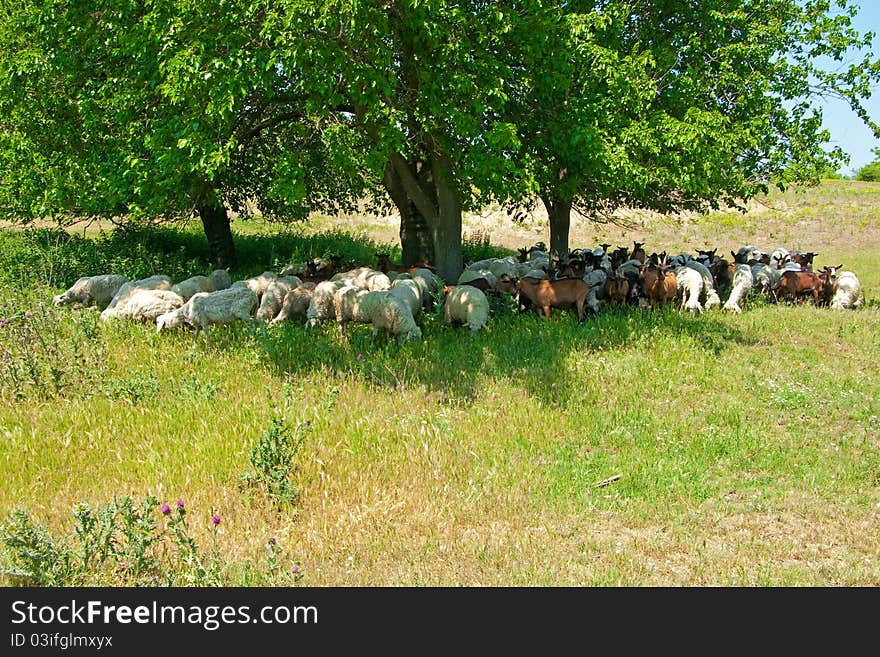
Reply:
x=800, y=283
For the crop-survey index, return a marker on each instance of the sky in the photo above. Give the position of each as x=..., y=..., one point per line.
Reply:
x=847, y=129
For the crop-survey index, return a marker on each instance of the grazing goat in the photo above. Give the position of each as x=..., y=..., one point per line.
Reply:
x=659, y=283
x=544, y=294
x=800, y=283
x=383, y=261
x=805, y=260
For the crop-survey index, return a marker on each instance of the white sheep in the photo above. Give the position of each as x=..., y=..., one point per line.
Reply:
x=469, y=275
x=711, y=298
x=321, y=306
x=257, y=284
x=218, y=280
x=468, y=305
x=766, y=278
x=690, y=286
x=273, y=297
x=145, y=305
x=296, y=303
x=847, y=292
x=235, y=303
x=347, y=305
x=88, y=290
x=741, y=284
x=390, y=315
x=157, y=282
x=410, y=292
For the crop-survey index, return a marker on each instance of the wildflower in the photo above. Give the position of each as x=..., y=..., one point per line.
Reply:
x=360, y=356
x=216, y=519
x=272, y=540
x=294, y=569
x=180, y=506
x=166, y=509
x=28, y=314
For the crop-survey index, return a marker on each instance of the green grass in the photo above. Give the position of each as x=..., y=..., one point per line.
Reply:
x=746, y=446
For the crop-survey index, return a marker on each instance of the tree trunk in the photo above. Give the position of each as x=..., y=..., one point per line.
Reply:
x=221, y=247
x=415, y=235
x=430, y=210
x=559, y=215
x=448, y=258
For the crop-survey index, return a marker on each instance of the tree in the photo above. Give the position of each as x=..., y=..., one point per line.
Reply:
x=674, y=106
x=162, y=110
x=871, y=171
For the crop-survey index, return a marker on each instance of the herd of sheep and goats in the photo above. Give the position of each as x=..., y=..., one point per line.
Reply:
x=392, y=297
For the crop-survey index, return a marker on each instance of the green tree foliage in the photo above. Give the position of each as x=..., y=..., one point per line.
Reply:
x=676, y=106
x=174, y=108
x=871, y=171
x=162, y=110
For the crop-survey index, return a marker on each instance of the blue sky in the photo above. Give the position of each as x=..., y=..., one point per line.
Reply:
x=847, y=130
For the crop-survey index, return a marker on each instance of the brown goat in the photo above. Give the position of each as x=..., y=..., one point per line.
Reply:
x=544, y=294
x=659, y=284
x=617, y=287
x=638, y=252
x=800, y=283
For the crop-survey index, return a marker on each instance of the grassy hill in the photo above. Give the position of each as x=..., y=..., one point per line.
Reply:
x=636, y=448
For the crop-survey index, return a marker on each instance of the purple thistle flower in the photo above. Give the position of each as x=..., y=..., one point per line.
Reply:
x=272, y=540
x=28, y=314
x=294, y=569
x=166, y=509
x=216, y=519
x=180, y=506
x=360, y=356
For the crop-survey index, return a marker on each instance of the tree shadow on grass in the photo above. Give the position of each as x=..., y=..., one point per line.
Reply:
x=527, y=350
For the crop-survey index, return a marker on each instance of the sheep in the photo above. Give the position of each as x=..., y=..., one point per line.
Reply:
x=218, y=280
x=88, y=290
x=388, y=314
x=766, y=278
x=346, y=305
x=465, y=304
x=237, y=302
x=257, y=284
x=321, y=305
x=712, y=300
x=689, y=285
x=273, y=297
x=483, y=279
x=145, y=305
x=596, y=280
x=296, y=303
x=409, y=291
x=847, y=292
x=741, y=283
x=157, y=282
x=545, y=294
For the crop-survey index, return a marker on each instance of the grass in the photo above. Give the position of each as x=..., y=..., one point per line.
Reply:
x=746, y=446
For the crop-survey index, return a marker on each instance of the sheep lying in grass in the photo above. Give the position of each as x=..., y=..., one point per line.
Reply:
x=236, y=303
x=296, y=303
x=88, y=290
x=273, y=297
x=157, y=282
x=741, y=284
x=145, y=305
x=218, y=280
x=390, y=315
x=847, y=292
x=468, y=305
